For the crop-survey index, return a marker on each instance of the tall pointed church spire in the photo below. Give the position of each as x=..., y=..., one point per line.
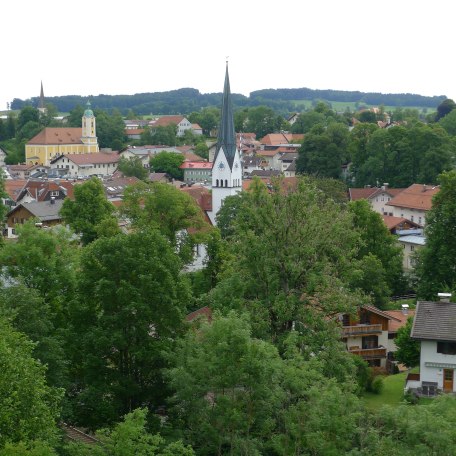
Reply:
x=226, y=139
x=41, y=106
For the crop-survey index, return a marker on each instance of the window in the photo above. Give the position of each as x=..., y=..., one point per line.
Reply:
x=411, y=218
x=226, y=182
x=412, y=248
x=446, y=348
x=56, y=193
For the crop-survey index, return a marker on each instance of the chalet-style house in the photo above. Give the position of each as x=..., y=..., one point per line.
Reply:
x=39, y=191
x=367, y=334
x=413, y=203
x=46, y=213
x=434, y=326
x=53, y=142
x=86, y=165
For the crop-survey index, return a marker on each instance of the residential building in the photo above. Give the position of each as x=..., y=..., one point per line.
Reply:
x=378, y=197
x=38, y=191
x=53, y=142
x=367, y=334
x=434, y=327
x=46, y=214
x=182, y=124
x=197, y=171
x=227, y=169
x=401, y=226
x=86, y=165
x=413, y=202
x=410, y=243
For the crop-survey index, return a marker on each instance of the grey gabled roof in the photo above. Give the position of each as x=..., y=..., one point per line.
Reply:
x=43, y=210
x=226, y=138
x=435, y=321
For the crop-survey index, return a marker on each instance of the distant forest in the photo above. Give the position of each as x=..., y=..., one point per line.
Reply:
x=187, y=100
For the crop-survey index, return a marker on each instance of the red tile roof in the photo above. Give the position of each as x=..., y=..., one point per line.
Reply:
x=360, y=193
x=274, y=139
x=196, y=165
x=393, y=222
x=14, y=186
x=166, y=120
x=52, y=135
x=204, y=312
x=417, y=196
x=400, y=319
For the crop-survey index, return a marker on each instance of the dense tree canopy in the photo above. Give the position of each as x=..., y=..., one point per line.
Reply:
x=169, y=163
x=130, y=308
x=436, y=267
x=28, y=407
x=88, y=210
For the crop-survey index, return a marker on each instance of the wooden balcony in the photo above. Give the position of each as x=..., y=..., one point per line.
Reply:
x=361, y=330
x=369, y=353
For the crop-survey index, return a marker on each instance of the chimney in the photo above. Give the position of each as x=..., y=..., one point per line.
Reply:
x=405, y=308
x=424, y=188
x=444, y=297
x=52, y=200
x=385, y=185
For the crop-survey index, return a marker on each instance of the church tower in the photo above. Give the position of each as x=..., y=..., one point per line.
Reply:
x=41, y=106
x=227, y=168
x=89, y=132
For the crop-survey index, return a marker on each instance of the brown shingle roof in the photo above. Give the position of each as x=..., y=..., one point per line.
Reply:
x=393, y=222
x=435, y=321
x=417, y=196
x=356, y=194
x=57, y=136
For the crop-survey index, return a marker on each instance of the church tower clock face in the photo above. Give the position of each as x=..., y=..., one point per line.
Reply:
x=221, y=166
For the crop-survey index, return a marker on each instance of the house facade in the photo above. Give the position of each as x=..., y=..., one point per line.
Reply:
x=197, y=171
x=413, y=203
x=434, y=327
x=46, y=213
x=86, y=165
x=367, y=334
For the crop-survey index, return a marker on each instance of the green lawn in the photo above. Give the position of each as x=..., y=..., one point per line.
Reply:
x=392, y=394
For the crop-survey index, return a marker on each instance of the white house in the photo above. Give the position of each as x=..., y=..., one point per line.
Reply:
x=86, y=165
x=413, y=203
x=410, y=244
x=434, y=326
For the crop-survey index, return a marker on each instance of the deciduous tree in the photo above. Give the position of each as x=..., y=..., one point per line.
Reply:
x=88, y=209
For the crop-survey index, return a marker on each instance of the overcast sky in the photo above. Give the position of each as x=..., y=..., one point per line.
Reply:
x=120, y=47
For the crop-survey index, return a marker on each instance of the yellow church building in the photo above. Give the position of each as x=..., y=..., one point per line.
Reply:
x=52, y=142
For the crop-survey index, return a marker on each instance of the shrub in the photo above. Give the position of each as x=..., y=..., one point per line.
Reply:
x=377, y=384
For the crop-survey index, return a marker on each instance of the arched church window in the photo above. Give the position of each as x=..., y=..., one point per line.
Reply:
x=226, y=183
x=216, y=183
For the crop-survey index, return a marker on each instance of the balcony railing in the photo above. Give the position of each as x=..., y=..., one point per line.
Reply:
x=369, y=353
x=361, y=330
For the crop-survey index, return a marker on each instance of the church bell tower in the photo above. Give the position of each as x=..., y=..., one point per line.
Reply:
x=227, y=167
x=89, y=131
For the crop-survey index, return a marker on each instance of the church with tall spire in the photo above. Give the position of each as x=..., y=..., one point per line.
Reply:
x=227, y=168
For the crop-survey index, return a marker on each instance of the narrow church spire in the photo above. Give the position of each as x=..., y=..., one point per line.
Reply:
x=41, y=106
x=226, y=139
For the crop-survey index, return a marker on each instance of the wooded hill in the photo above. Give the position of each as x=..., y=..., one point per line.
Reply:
x=187, y=100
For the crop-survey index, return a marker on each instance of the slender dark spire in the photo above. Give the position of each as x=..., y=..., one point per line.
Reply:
x=41, y=105
x=226, y=138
